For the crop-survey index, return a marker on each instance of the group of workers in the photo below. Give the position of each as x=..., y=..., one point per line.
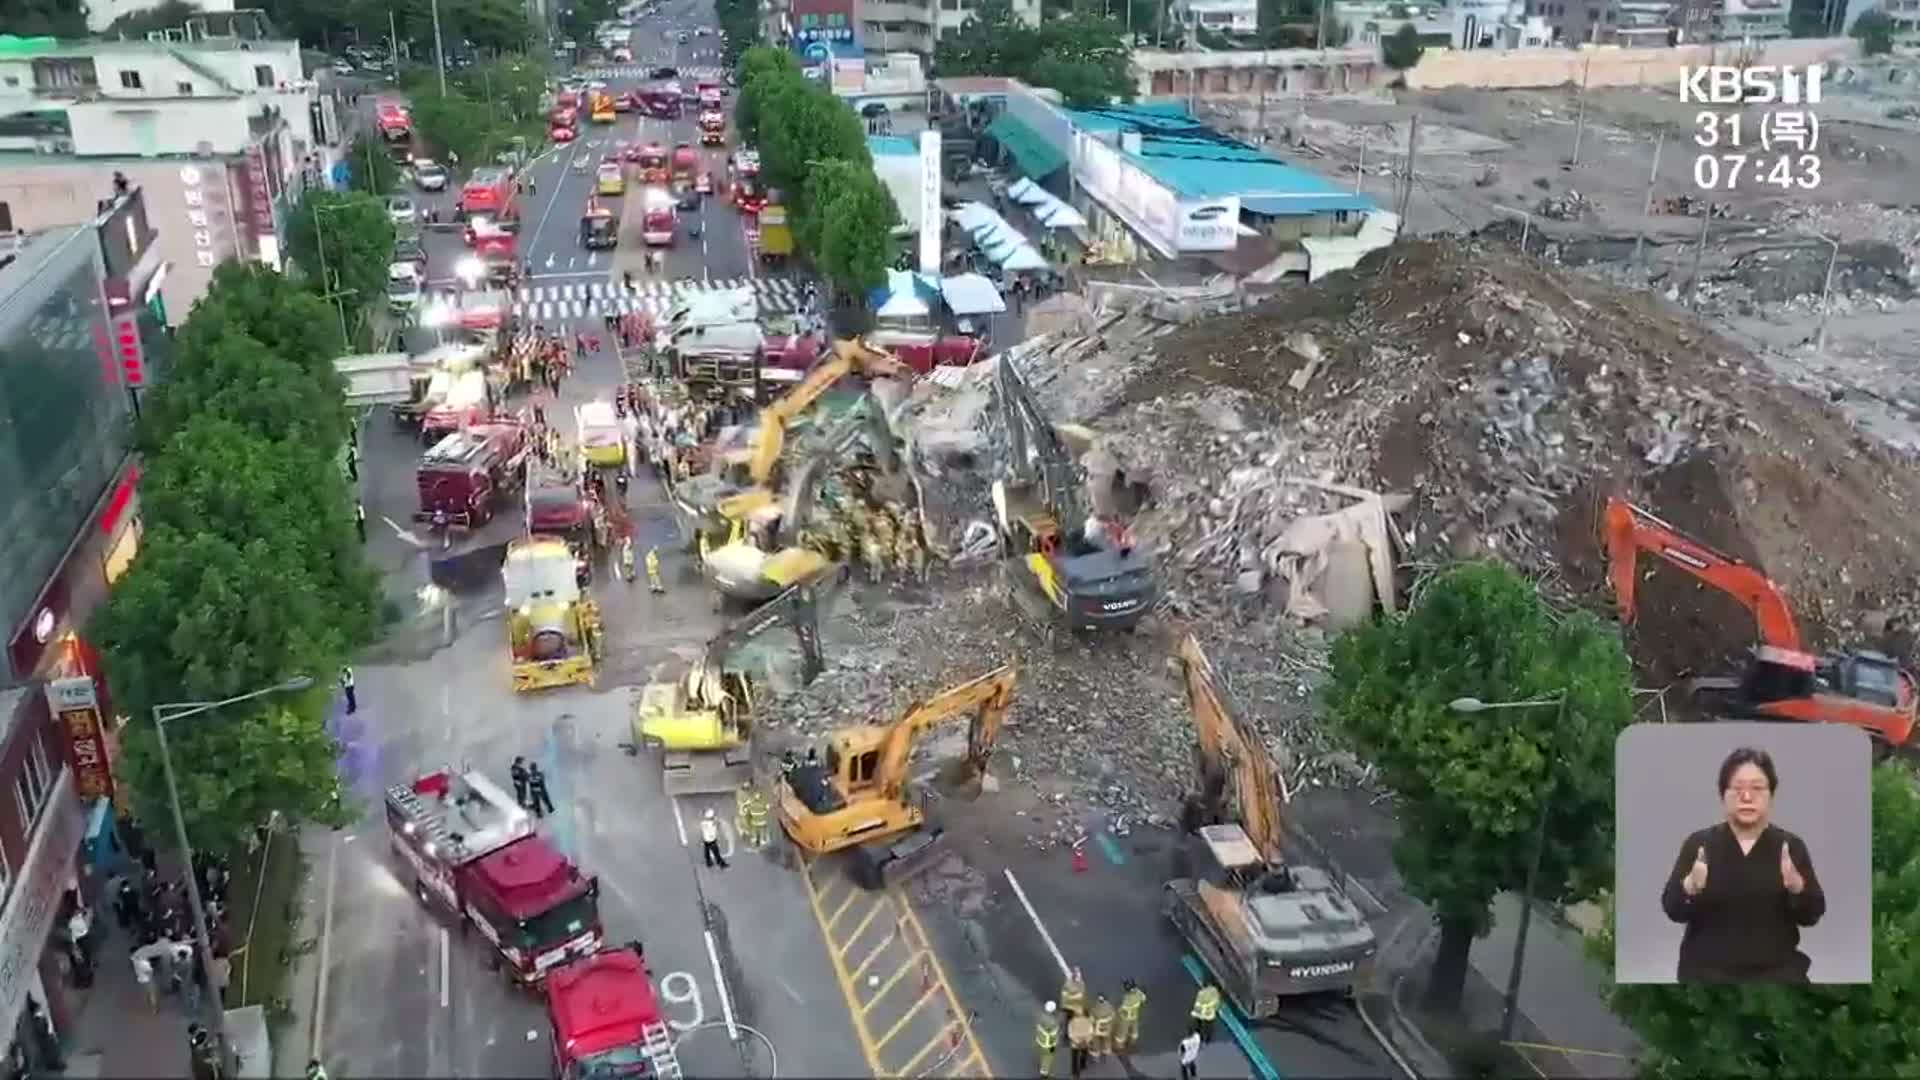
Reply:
x=1103, y=1028
x=878, y=536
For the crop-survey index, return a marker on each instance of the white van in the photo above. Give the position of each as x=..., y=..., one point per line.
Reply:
x=403, y=287
x=736, y=338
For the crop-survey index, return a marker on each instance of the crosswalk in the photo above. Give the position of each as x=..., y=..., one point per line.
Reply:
x=645, y=71
x=559, y=304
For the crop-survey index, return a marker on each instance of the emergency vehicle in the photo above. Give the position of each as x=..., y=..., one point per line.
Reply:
x=713, y=128
x=709, y=95
x=599, y=228
x=659, y=218
x=653, y=164
x=472, y=851
x=394, y=121
x=605, y=1021
x=685, y=161
x=488, y=193
x=600, y=107
x=609, y=179
x=466, y=476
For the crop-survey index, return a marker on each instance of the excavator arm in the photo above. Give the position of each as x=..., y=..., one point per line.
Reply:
x=1628, y=530
x=989, y=696
x=797, y=607
x=863, y=419
x=1037, y=456
x=1239, y=780
x=849, y=357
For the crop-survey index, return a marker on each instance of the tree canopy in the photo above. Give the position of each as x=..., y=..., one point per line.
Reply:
x=1082, y=56
x=1874, y=29
x=813, y=149
x=1473, y=785
x=1712, y=1031
x=372, y=171
x=349, y=235
x=740, y=29
x=249, y=570
x=493, y=27
x=1402, y=49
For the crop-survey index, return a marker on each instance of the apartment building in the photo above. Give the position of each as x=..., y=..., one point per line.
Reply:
x=222, y=132
x=914, y=25
x=69, y=523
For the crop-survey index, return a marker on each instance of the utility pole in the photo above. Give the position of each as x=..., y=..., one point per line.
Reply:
x=393, y=35
x=1406, y=191
x=1646, y=205
x=1826, y=292
x=439, y=50
x=1693, y=276
x=1580, y=122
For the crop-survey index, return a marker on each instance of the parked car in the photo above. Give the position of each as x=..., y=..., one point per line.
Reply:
x=402, y=211
x=407, y=248
x=429, y=175
x=561, y=135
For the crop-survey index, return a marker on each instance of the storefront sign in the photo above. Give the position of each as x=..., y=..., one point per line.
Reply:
x=931, y=219
x=1213, y=225
x=1149, y=207
x=198, y=221
x=76, y=706
x=259, y=193
x=42, y=880
x=824, y=33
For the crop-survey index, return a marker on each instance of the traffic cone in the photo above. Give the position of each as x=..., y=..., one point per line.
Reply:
x=1080, y=857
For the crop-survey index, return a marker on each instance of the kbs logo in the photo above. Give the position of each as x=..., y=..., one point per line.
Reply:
x=1761, y=85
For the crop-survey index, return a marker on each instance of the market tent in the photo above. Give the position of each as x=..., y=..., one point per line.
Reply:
x=971, y=216
x=1023, y=191
x=1024, y=258
x=904, y=296
x=1059, y=215
x=971, y=294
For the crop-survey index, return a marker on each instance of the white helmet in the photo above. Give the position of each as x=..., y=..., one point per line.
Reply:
x=709, y=811
x=1051, y=1007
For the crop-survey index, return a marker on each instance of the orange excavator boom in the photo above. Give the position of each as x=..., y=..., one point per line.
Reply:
x=1628, y=530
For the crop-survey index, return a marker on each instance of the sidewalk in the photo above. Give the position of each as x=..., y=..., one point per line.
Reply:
x=1560, y=994
x=114, y=1033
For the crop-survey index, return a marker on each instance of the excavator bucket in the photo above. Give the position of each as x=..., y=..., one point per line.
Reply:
x=713, y=773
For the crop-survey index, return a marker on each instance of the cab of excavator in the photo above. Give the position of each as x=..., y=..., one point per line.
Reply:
x=1866, y=676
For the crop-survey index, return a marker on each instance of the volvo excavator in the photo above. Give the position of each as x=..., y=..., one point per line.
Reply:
x=717, y=502
x=702, y=722
x=860, y=798
x=1866, y=689
x=1268, y=927
x=1062, y=567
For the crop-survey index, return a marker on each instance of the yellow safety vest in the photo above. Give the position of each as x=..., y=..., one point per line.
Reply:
x=1046, y=1033
x=653, y=562
x=1130, y=1005
x=1206, y=1003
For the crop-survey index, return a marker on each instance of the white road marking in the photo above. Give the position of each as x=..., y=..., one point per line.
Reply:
x=446, y=949
x=679, y=823
x=326, y=941
x=1021, y=893
x=720, y=983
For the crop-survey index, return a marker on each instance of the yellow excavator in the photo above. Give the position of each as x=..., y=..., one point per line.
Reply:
x=1267, y=926
x=702, y=722
x=718, y=503
x=859, y=800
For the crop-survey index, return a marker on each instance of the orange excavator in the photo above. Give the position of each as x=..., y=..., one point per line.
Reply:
x=1866, y=689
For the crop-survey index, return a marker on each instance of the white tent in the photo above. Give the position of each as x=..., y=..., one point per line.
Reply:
x=1021, y=190
x=903, y=297
x=1023, y=258
x=973, y=215
x=1060, y=216
x=971, y=294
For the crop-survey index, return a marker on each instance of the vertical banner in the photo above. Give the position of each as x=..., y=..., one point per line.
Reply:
x=931, y=219
x=76, y=706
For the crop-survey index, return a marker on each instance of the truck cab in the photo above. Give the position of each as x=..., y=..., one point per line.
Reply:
x=488, y=193
x=605, y=1020
x=713, y=128
x=463, y=476
x=659, y=219
x=599, y=228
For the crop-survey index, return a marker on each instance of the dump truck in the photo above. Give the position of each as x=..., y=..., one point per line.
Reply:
x=464, y=478
x=472, y=851
x=701, y=722
x=553, y=626
x=604, y=1019
x=775, y=235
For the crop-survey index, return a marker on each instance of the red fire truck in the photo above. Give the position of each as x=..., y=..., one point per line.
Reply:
x=653, y=164
x=466, y=476
x=605, y=1021
x=471, y=850
x=686, y=161
x=658, y=218
x=713, y=128
x=393, y=120
x=489, y=193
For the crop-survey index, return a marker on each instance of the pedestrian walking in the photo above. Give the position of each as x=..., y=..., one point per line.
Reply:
x=626, y=279
x=1190, y=1055
x=519, y=774
x=1206, y=1006
x=315, y=1070
x=626, y=560
x=360, y=520
x=143, y=974
x=346, y=687
x=710, y=841
x=186, y=977
x=540, y=802
x=1046, y=1036
x=126, y=904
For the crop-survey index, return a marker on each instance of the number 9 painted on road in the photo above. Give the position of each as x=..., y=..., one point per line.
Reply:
x=680, y=988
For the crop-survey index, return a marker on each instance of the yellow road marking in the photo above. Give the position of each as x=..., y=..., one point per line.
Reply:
x=906, y=1016
x=881, y=993
x=867, y=1049
x=943, y=1038
x=874, y=955
x=858, y=930
x=842, y=909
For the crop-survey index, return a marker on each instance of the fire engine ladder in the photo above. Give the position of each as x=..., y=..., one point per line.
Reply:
x=429, y=826
x=659, y=1049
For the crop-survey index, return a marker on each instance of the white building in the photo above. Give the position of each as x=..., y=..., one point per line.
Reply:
x=221, y=133
x=1220, y=16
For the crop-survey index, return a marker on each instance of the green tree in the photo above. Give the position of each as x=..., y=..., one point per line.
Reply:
x=808, y=125
x=372, y=171
x=1875, y=31
x=856, y=225
x=512, y=88
x=764, y=73
x=1402, y=48
x=351, y=235
x=1781, y=1031
x=1082, y=56
x=579, y=18
x=740, y=28
x=454, y=126
x=1473, y=786
x=51, y=18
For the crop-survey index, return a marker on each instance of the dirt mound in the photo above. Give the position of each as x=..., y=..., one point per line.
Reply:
x=1504, y=393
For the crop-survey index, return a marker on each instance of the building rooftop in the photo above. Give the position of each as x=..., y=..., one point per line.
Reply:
x=1198, y=162
x=892, y=145
x=30, y=255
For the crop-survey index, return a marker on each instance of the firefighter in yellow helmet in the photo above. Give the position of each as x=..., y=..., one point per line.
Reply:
x=654, y=584
x=1126, y=1025
x=1102, y=1026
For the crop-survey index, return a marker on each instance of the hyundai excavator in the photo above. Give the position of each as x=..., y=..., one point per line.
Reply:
x=718, y=501
x=1058, y=569
x=701, y=722
x=1267, y=927
x=763, y=556
x=860, y=798
x=1865, y=689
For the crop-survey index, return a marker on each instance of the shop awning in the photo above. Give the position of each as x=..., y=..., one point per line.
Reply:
x=971, y=294
x=1035, y=156
x=1024, y=258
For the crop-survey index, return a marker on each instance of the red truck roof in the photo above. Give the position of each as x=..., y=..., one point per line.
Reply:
x=601, y=1002
x=466, y=464
x=526, y=878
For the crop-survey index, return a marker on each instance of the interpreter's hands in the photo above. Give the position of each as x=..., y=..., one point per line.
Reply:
x=1696, y=878
x=1789, y=873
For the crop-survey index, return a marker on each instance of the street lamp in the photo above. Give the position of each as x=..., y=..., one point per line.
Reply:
x=162, y=714
x=1511, y=1011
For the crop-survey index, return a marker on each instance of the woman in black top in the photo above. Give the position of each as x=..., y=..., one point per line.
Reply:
x=1744, y=887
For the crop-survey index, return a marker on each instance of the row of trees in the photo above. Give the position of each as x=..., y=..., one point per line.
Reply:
x=249, y=571
x=1471, y=788
x=487, y=27
x=813, y=148
x=1083, y=56
x=740, y=28
x=485, y=108
x=341, y=243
